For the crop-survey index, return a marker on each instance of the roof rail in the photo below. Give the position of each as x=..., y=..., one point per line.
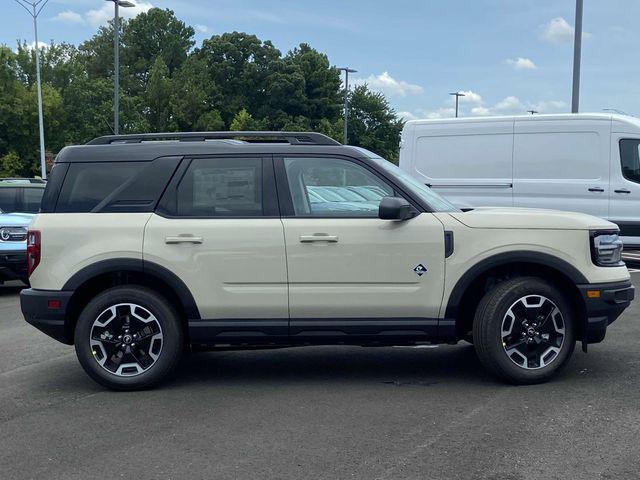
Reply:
x=293, y=138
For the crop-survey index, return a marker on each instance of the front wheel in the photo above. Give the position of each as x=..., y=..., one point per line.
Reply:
x=524, y=331
x=128, y=338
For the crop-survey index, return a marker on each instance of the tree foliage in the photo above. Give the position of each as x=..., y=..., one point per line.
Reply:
x=232, y=81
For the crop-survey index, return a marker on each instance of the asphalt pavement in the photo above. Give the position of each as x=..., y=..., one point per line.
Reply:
x=319, y=413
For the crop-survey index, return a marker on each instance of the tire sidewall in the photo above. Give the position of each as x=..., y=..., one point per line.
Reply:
x=172, y=342
x=493, y=325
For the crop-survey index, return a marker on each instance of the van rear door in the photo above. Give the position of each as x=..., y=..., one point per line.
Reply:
x=562, y=165
x=625, y=186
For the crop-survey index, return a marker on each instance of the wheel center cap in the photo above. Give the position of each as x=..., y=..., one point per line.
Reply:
x=126, y=339
x=531, y=332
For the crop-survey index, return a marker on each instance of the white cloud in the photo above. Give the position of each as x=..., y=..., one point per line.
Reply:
x=69, y=16
x=510, y=105
x=41, y=44
x=558, y=30
x=201, y=28
x=105, y=13
x=521, y=63
x=388, y=85
x=469, y=97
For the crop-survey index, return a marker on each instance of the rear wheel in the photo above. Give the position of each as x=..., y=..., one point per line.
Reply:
x=128, y=338
x=524, y=331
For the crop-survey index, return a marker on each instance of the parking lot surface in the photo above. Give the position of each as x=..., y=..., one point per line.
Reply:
x=319, y=413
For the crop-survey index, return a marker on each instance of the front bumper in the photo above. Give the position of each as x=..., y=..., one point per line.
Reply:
x=604, y=302
x=47, y=311
x=13, y=265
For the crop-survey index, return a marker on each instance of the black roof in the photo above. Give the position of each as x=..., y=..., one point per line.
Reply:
x=148, y=146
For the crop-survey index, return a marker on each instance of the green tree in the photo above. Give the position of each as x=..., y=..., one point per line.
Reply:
x=152, y=34
x=10, y=165
x=158, y=97
x=373, y=124
x=242, y=121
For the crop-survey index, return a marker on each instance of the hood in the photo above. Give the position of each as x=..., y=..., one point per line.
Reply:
x=16, y=219
x=530, y=218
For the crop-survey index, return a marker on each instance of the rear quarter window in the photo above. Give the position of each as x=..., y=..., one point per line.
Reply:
x=114, y=186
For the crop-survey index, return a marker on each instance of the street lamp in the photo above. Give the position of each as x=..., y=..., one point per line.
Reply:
x=532, y=112
x=457, y=95
x=116, y=73
x=34, y=8
x=346, y=71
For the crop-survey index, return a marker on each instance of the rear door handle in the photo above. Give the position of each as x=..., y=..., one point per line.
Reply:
x=319, y=237
x=182, y=238
x=622, y=190
x=596, y=189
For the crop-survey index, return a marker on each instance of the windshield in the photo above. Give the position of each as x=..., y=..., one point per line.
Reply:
x=420, y=190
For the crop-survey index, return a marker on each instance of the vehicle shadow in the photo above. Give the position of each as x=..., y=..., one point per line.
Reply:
x=399, y=366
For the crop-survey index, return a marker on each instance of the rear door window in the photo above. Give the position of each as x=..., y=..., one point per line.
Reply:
x=221, y=187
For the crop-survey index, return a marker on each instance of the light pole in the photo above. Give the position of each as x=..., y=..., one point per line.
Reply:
x=457, y=95
x=34, y=8
x=577, y=52
x=346, y=71
x=116, y=55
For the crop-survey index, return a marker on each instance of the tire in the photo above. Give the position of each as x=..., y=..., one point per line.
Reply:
x=524, y=330
x=107, y=331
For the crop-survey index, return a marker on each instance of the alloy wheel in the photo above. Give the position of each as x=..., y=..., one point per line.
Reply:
x=533, y=332
x=126, y=339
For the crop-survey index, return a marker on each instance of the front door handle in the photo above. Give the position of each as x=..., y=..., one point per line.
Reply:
x=319, y=237
x=622, y=190
x=182, y=238
x=596, y=189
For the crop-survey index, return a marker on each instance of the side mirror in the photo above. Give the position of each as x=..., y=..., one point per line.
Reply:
x=395, y=208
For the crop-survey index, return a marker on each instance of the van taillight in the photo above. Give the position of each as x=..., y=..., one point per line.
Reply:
x=33, y=250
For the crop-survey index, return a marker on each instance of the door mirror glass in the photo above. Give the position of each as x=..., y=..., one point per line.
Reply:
x=395, y=208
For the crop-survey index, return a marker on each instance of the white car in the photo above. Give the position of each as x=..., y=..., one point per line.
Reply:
x=585, y=162
x=144, y=248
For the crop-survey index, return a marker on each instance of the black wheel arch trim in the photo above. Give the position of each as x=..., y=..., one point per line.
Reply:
x=114, y=265
x=535, y=258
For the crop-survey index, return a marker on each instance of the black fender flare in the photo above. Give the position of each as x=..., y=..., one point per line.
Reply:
x=113, y=265
x=534, y=258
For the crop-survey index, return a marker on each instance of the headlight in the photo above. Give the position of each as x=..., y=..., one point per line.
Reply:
x=606, y=249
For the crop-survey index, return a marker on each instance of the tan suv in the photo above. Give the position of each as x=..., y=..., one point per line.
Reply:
x=150, y=244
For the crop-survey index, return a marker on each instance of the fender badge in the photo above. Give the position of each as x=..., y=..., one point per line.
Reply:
x=420, y=269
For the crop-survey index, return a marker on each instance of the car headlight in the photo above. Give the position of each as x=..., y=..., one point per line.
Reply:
x=606, y=249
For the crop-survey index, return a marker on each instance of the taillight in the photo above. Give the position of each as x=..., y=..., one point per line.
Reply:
x=33, y=250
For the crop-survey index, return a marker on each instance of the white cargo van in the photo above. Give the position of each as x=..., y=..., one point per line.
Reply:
x=577, y=162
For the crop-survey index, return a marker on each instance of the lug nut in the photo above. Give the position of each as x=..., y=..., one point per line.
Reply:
x=119, y=337
x=133, y=344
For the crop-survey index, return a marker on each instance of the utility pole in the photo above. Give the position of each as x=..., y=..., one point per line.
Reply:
x=346, y=71
x=457, y=95
x=116, y=57
x=577, y=52
x=34, y=8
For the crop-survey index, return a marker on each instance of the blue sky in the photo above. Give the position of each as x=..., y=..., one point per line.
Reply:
x=507, y=55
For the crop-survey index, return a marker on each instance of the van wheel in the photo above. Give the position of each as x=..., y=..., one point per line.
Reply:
x=524, y=331
x=128, y=338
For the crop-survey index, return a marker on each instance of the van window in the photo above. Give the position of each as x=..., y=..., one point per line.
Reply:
x=485, y=156
x=630, y=159
x=87, y=184
x=561, y=155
